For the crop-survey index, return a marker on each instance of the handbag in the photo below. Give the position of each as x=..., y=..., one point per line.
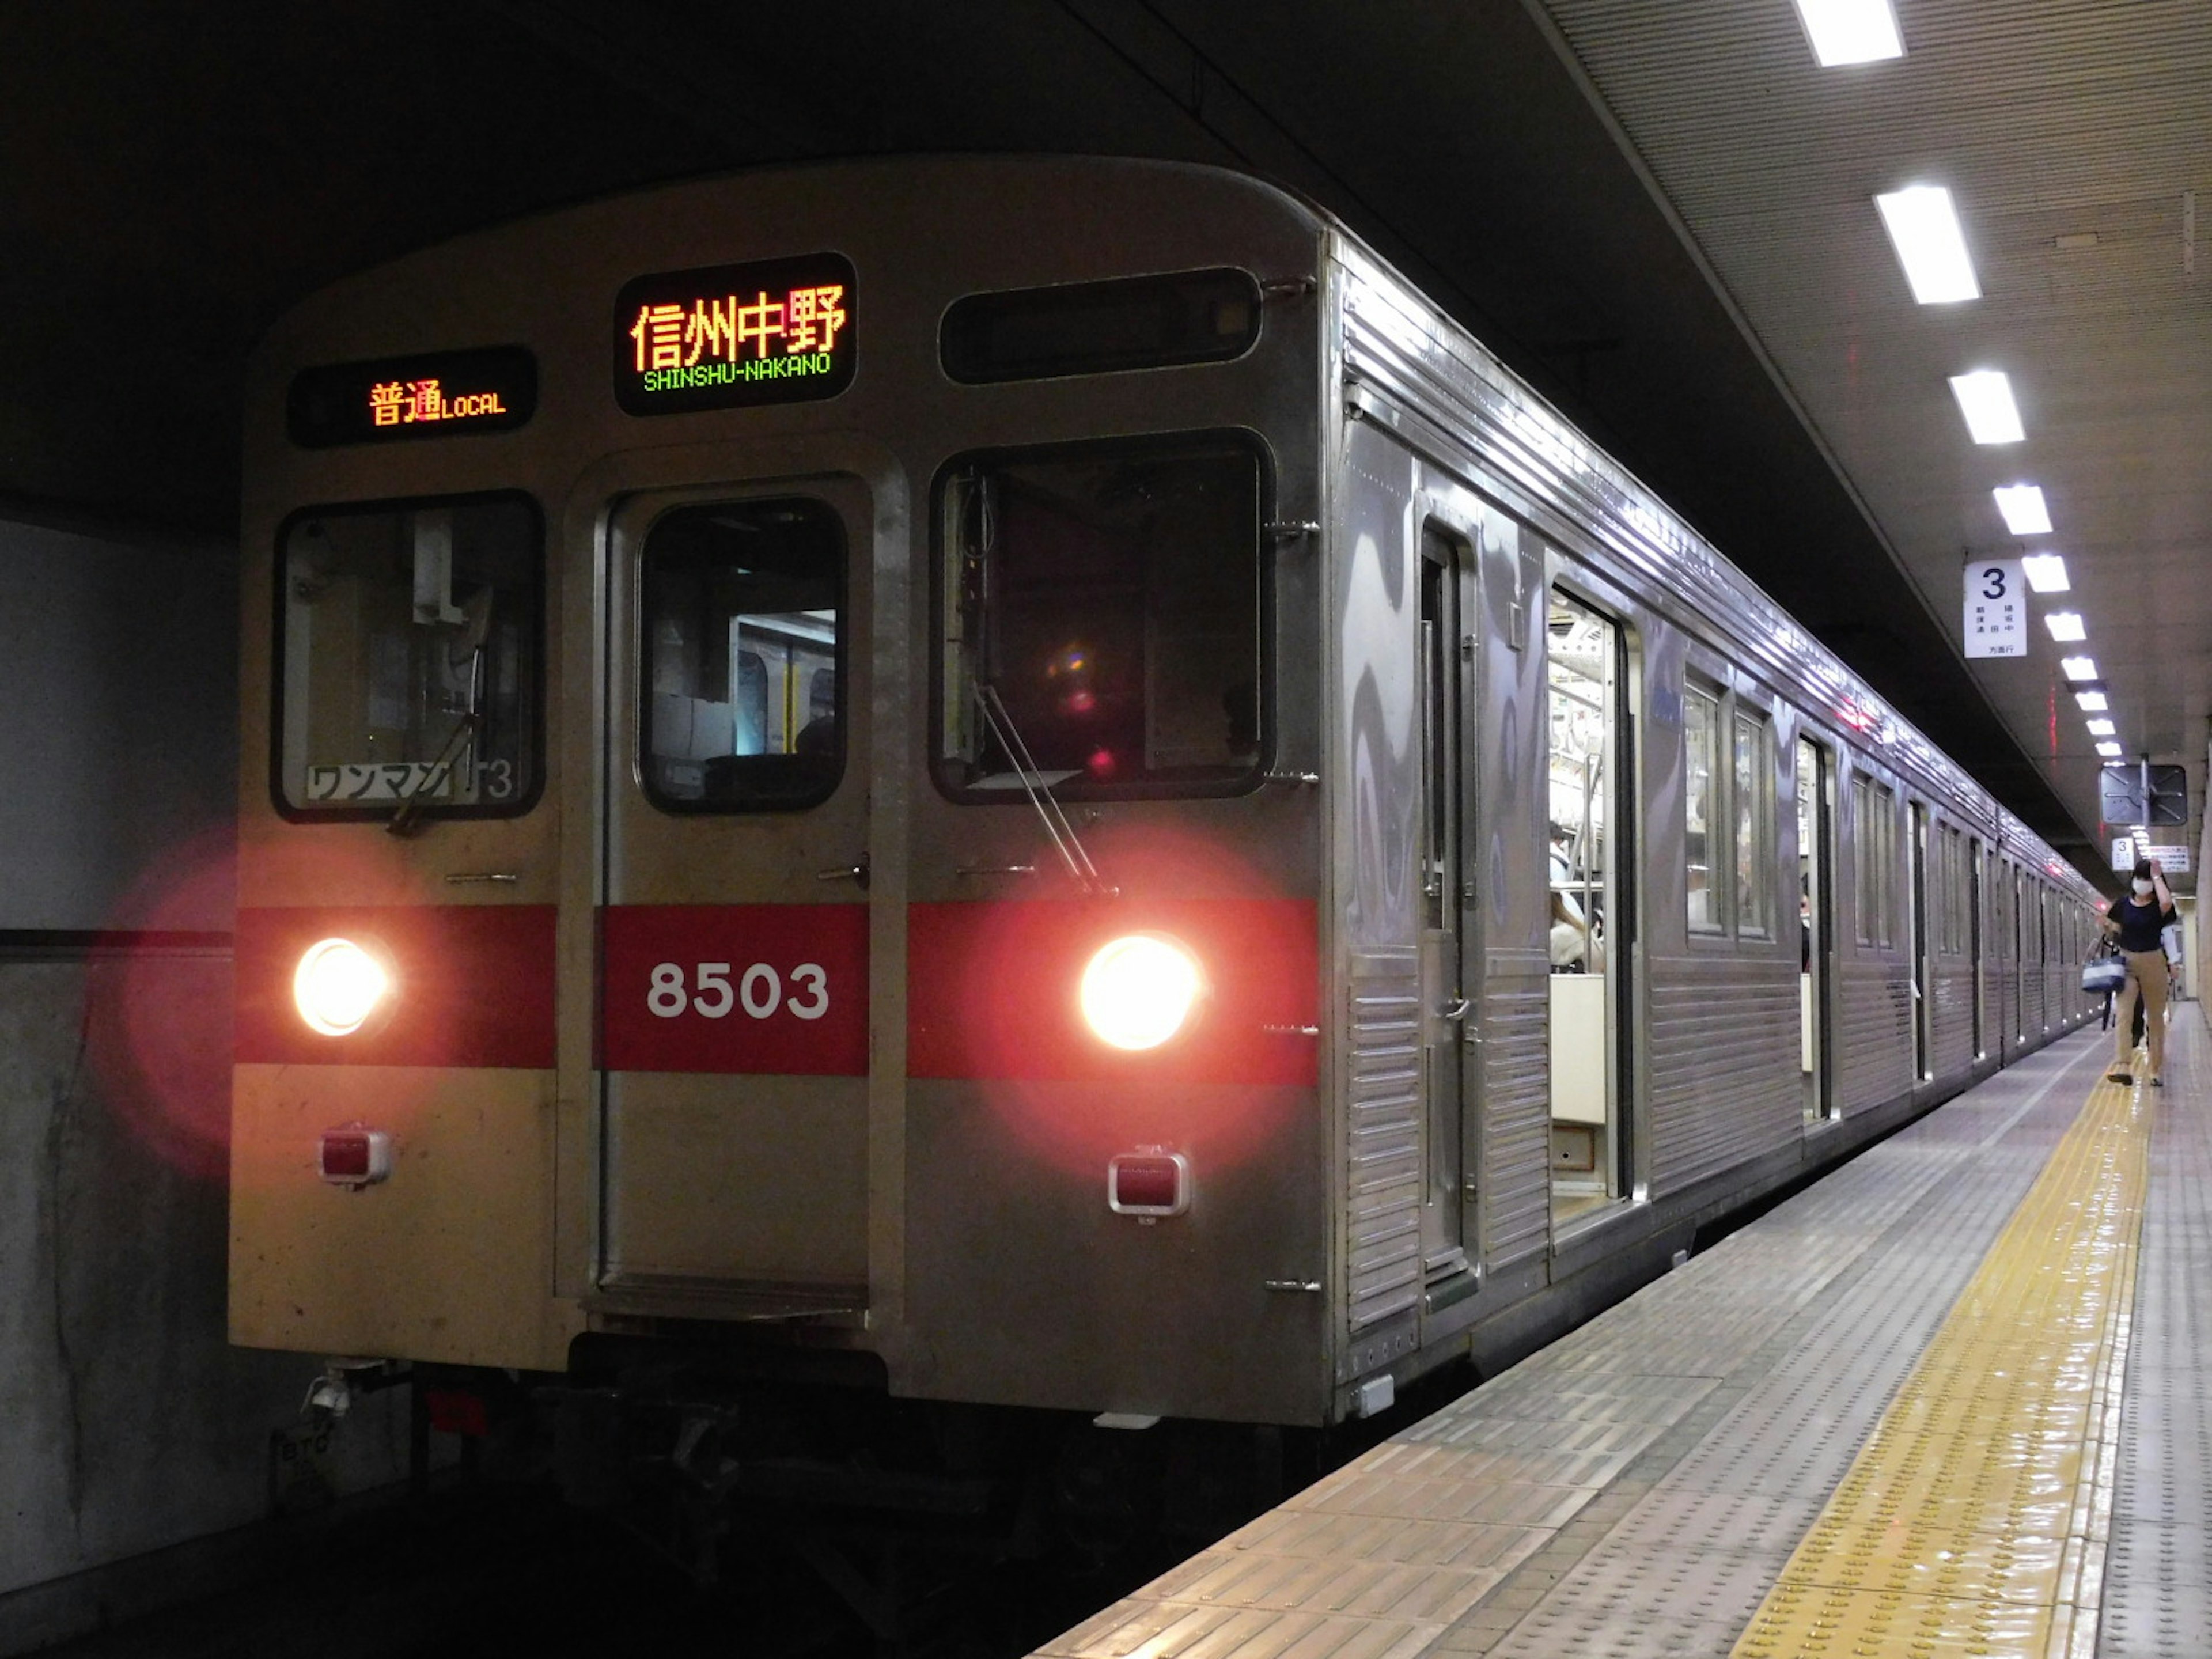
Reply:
x=2104, y=973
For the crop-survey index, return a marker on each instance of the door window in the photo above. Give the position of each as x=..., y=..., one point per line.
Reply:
x=742, y=647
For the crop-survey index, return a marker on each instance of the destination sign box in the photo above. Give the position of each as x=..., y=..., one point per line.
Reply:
x=432, y=395
x=774, y=331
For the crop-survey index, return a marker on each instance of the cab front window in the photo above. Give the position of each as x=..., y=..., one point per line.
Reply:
x=1101, y=612
x=408, y=680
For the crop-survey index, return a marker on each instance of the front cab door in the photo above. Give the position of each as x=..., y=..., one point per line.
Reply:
x=734, y=945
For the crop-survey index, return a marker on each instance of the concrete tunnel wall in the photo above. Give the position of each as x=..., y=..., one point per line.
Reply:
x=129, y=1427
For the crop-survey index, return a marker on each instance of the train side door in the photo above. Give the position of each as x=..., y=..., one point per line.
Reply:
x=1923, y=949
x=734, y=943
x=1445, y=662
x=1590, y=827
x=1977, y=944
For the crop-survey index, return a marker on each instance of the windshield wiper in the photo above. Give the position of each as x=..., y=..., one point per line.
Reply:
x=475, y=631
x=1064, y=840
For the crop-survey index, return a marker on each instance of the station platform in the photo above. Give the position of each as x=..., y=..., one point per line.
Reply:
x=1948, y=1400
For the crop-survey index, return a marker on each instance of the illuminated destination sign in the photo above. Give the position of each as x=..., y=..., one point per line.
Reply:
x=778, y=331
x=436, y=395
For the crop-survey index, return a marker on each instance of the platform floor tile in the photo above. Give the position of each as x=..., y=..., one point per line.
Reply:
x=2157, y=1569
x=1637, y=1488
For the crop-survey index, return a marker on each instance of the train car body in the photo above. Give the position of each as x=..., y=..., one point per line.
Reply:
x=798, y=624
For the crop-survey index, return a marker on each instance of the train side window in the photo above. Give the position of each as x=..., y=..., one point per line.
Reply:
x=408, y=677
x=1100, y=610
x=742, y=642
x=1874, y=833
x=1865, y=888
x=1754, y=828
x=1701, y=728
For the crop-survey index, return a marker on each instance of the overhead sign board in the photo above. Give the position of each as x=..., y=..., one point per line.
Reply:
x=2173, y=858
x=2135, y=791
x=774, y=331
x=435, y=394
x=1996, y=609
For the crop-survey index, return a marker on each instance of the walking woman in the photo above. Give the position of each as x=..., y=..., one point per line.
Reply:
x=2136, y=921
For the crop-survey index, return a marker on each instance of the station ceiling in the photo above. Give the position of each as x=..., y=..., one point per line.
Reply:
x=1660, y=214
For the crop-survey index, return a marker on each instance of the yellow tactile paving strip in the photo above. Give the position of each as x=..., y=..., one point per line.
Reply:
x=1974, y=1521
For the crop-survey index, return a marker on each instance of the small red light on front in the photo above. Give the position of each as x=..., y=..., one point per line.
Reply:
x=345, y=1155
x=354, y=1157
x=1148, y=1184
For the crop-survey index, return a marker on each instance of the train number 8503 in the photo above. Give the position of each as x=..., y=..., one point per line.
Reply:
x=760, y=991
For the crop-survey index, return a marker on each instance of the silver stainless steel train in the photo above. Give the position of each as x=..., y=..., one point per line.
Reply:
x=1032, y=782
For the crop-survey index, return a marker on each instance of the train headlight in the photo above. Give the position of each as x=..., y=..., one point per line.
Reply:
x=1140, y=990
x=339, y=985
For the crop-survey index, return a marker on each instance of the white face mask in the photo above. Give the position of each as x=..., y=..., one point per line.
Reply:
x=2142, y=888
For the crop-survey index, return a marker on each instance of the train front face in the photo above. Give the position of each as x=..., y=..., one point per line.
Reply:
x=776, y=715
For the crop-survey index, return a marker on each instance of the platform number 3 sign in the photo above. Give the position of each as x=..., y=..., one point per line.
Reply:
x=1996, y=609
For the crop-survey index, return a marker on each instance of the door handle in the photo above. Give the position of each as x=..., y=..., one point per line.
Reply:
x=1454, y=1010
x=846, y=872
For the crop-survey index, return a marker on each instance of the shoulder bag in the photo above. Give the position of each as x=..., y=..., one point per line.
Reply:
x=2105, y=972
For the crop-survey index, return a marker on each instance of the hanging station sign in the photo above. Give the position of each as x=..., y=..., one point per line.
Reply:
x=434, y=394
x=1996, y=609
x=774, y=331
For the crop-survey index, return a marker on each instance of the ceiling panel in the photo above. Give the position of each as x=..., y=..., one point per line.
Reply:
x=2049, y=120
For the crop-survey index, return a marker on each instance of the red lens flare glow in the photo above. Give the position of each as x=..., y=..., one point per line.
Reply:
x=157, y=1030
x=995, y=1012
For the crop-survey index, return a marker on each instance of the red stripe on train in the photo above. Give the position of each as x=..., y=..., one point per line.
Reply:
x=474, y=985
x=991, y=991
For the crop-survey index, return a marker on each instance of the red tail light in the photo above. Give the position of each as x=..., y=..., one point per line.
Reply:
x=354, y=1157
x=1148, y=1183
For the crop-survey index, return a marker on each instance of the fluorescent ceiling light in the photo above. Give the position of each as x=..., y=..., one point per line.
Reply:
x=1985, y=399
x=2066, y=625
x=2109, y=750
x=2024, y=511
x=2102, y=728
x=2093, y=702
x=2046, y=572
x=2078, y=668
x=1929, y=243
x=1850, y=31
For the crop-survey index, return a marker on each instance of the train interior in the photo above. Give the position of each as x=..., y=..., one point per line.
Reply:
x=742, y=619
x=1816, y=774
x=1587, y=684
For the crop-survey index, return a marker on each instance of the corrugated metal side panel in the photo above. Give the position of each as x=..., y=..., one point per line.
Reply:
x=1951, y=1016
x=1725, y=1051
x=1397, y=341
x=1383, y=1153
x=1876, y=1054
x=1515, y=1170
x=2032, y=981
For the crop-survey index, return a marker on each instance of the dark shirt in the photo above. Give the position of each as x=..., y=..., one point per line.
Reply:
x=2139, y=924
